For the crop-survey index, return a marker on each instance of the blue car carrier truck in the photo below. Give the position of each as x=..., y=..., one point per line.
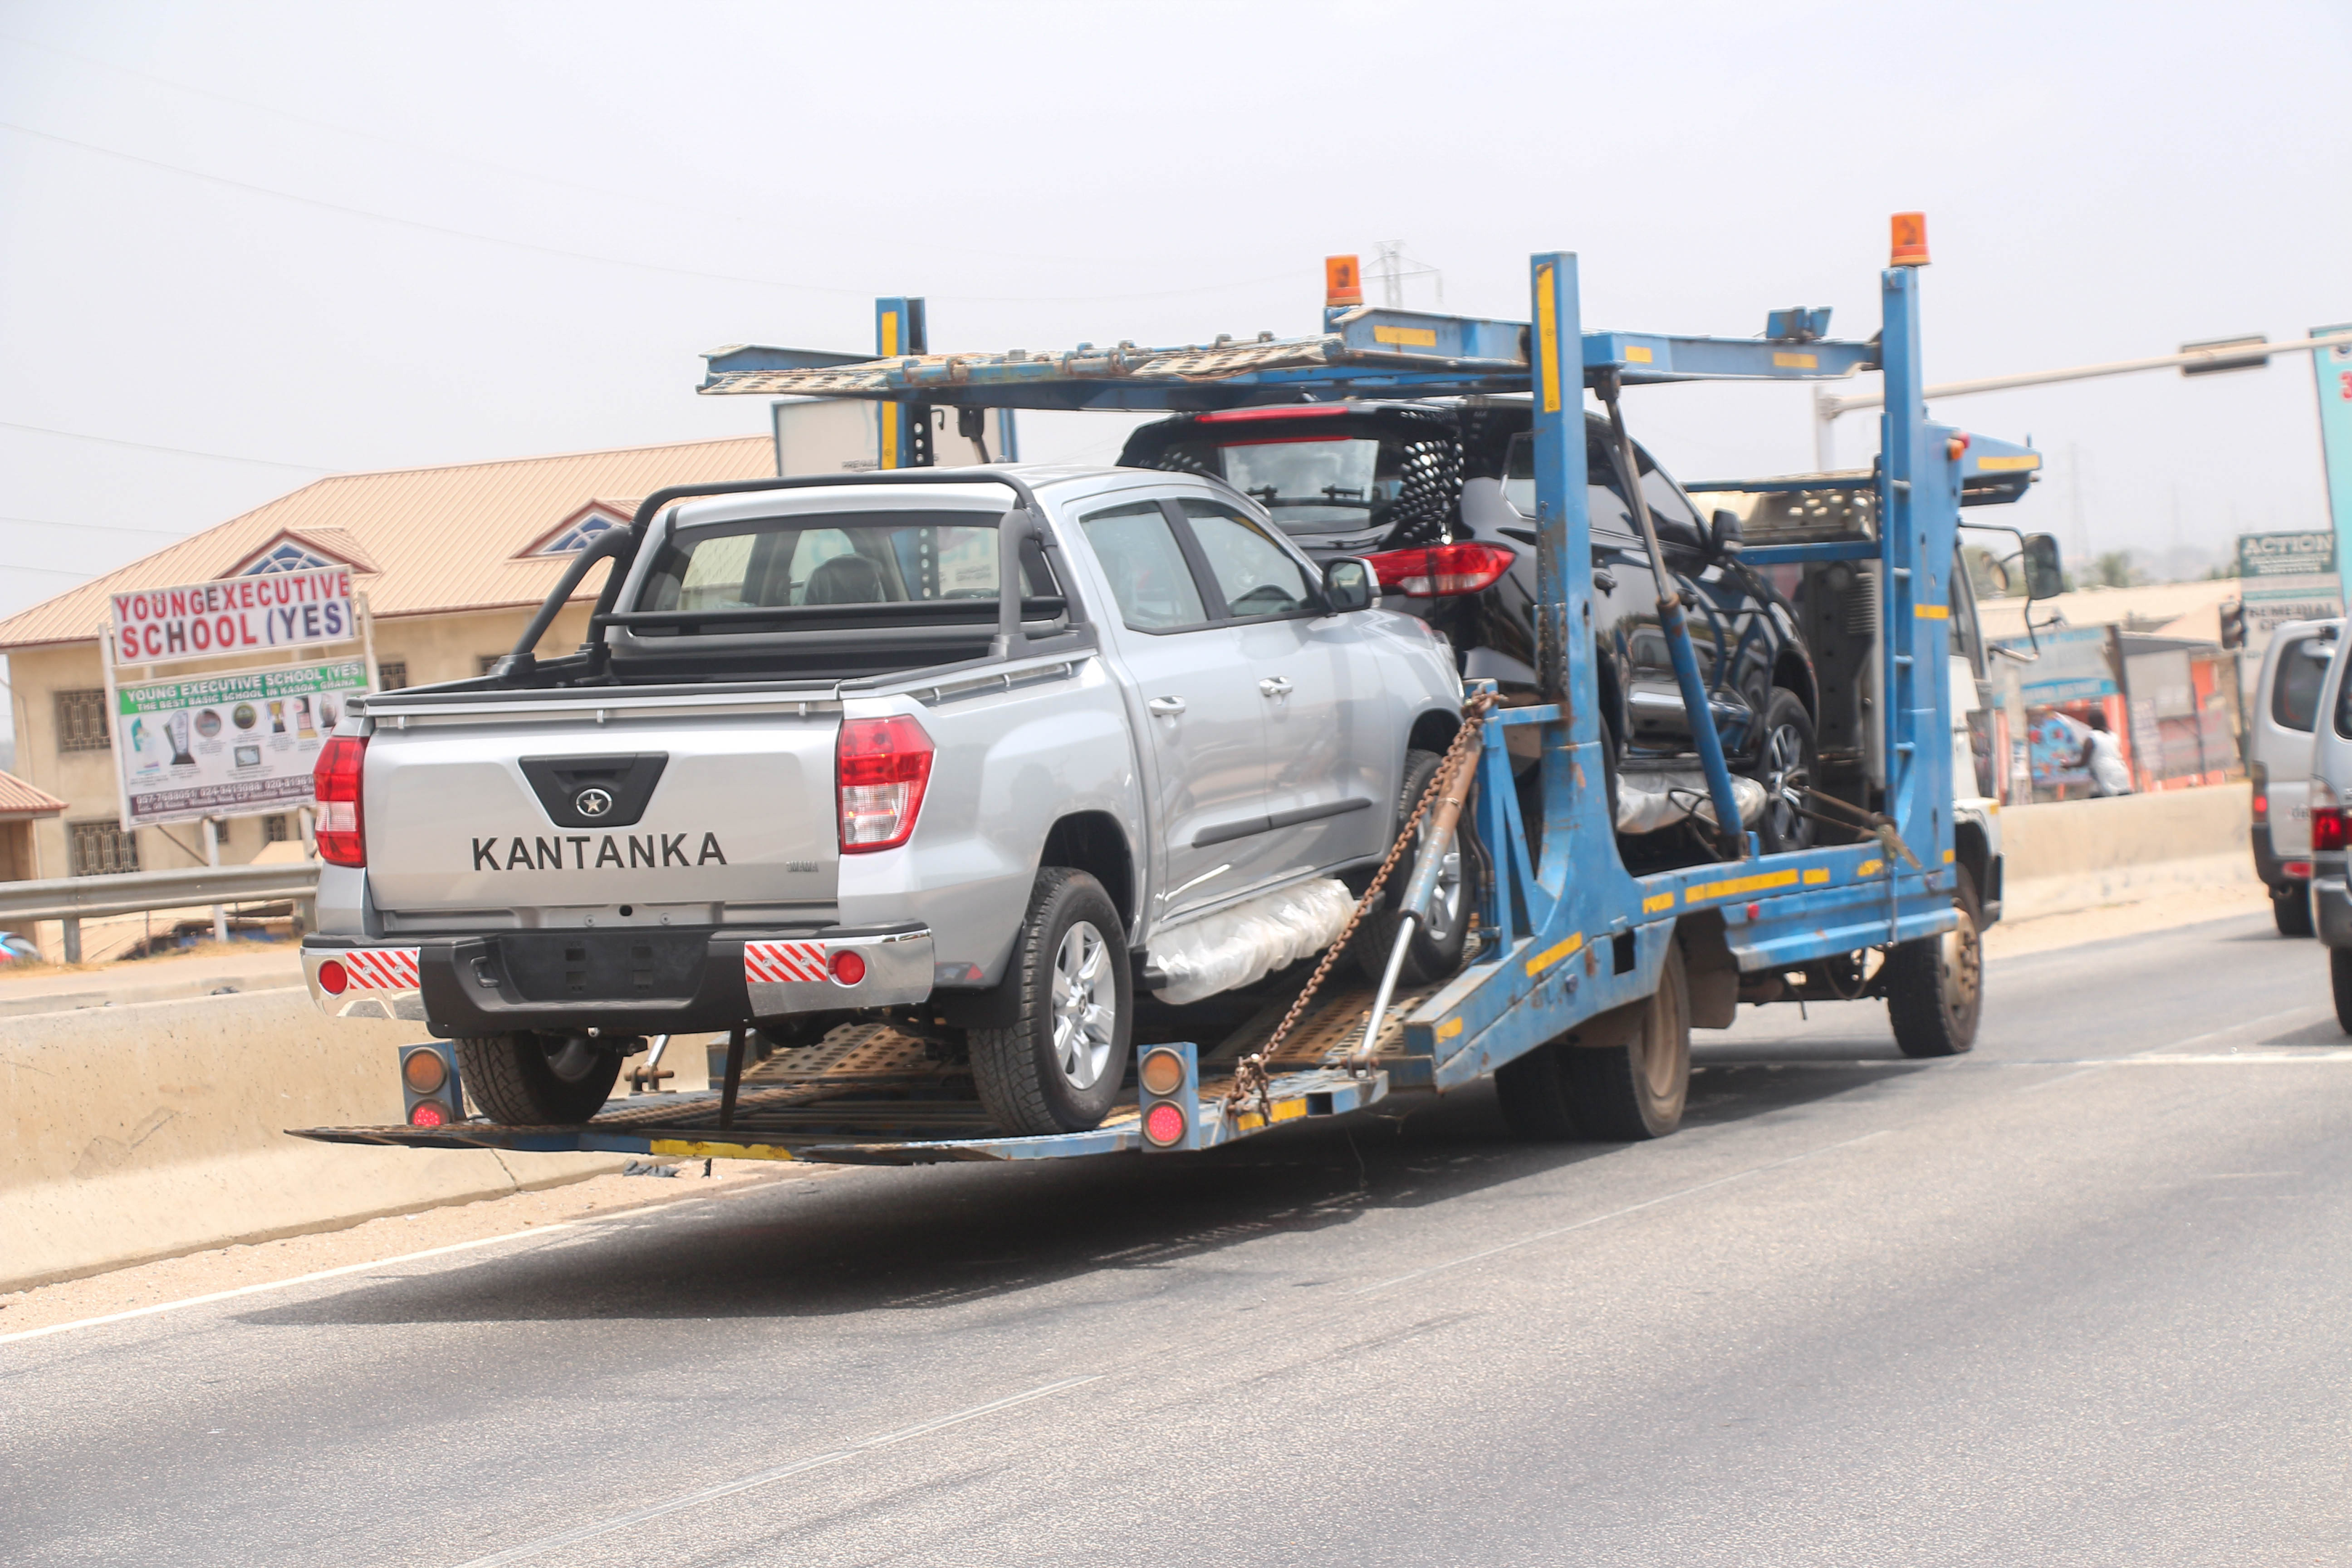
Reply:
x=1585, y=979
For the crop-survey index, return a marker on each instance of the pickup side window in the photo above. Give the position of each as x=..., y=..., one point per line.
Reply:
x=1256, y=576
x=1148, y=574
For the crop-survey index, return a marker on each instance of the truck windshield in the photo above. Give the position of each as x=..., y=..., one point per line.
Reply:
x=850, y=558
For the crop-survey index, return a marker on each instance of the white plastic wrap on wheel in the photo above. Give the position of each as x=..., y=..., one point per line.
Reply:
x=1228, y=949
x=1661, y=800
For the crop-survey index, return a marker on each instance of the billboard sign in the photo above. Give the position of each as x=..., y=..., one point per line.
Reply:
x=2333, y=367
x=2287, y=555
x=240, y=615
x=223, y=745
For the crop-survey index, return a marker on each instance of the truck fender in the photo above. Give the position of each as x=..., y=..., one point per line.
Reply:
x=1714, y=973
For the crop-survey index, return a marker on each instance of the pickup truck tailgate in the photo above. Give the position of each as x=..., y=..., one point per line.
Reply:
x=712, y=819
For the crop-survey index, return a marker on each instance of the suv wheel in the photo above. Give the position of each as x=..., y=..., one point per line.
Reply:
x=528, y=1080
x=1058, y=1066
x=1785, y=765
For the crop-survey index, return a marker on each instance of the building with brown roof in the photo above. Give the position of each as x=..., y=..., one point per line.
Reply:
x=451, y=561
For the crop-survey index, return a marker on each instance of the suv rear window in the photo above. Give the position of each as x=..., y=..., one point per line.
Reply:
x=2295, y=690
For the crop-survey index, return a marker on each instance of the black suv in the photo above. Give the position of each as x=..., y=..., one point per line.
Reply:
x=1440, y=497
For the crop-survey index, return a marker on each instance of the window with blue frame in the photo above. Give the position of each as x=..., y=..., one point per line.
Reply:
x=579, y=535
x=288, y=557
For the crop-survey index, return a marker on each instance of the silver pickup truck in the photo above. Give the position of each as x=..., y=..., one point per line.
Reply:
x=880, y=745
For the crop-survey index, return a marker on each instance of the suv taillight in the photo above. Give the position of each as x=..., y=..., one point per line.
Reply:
x=1441, y=571
x=335, y=783
x=2327, y=831
x=2260, y=777
x=882, y=766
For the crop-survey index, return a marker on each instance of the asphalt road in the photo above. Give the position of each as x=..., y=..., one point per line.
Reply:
x=2084, y=1297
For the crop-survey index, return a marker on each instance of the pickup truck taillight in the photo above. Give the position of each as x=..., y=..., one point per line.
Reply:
x=882, y=766
x=1441, y=571
x=335, y=783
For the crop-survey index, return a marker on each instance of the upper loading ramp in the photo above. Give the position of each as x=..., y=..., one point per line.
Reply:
x=1365, y=353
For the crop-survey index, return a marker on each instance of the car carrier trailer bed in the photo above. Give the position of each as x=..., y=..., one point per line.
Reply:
x=1588, y=977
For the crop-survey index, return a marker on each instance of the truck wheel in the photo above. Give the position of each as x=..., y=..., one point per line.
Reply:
x=1058, y=1067
x=1934, y=985
x=1434, y=952
x=1622, y=1094
x=2291, y=908
x=537, y=1081
x=1785, y=765
x=2339, y=980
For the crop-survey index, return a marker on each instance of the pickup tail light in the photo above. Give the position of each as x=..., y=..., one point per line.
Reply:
x=335, y=785
x=2327, y=823
x=882, y=766
x=1441, y=571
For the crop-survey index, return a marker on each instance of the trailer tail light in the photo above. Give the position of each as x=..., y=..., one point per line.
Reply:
x=1441, y=571
x=1169, y=1080
x=882, y=766
x=335, y=783
x=333, y=978
x=428, y=1080
x=849, y=966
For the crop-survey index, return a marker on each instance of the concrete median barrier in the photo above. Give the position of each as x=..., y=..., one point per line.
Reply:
x=2080, y=854
x=157, y=1128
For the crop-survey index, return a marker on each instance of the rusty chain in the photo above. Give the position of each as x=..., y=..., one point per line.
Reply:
x=1250, y=1075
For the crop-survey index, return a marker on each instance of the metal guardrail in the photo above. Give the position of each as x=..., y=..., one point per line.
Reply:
x=77, y=899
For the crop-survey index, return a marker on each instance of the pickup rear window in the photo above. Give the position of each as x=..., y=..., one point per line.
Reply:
x=833, y=560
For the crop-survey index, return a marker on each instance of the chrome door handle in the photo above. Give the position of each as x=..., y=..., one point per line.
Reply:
x=1273, y=685
x=1165, y=706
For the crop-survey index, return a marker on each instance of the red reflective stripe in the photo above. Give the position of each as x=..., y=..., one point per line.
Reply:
x=381, y=968
x=783, y=963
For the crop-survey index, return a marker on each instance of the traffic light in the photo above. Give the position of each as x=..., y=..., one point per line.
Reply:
x=1168, y=1084
x=428, y=1078
x=2233, y=624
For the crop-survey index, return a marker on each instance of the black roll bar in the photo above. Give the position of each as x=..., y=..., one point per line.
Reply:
x=1017, y=525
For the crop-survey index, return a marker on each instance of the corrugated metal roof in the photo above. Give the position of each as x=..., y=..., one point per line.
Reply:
x=428, y=541
x=18, y=798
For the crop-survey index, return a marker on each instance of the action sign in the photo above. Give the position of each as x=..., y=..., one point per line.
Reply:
x=2285, y=554
x=243, y=615
x=224, y=744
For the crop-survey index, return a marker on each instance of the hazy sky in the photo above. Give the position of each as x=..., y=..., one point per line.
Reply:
x=298, y=238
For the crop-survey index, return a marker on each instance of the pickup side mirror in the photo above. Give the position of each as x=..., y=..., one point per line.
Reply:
x=1348, y=585
x=1724, y=538
x=2045, y=578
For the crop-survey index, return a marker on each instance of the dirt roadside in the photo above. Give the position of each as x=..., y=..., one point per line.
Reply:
x=152, y=1285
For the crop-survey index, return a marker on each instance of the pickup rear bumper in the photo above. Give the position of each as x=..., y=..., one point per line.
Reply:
x=641, y=981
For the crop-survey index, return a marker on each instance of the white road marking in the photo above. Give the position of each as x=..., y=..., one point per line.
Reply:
x=533, y=1233
x=1613, y=1214
x=762, y=1478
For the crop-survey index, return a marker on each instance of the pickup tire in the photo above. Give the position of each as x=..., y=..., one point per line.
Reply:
x=532, y=1080
x=1434, y=952
x=1935, y=984
x=2291, y=908
x=1059, y=1065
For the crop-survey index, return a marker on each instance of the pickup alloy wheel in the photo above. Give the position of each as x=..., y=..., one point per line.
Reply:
x=1434, y=951
x=1059, y=1066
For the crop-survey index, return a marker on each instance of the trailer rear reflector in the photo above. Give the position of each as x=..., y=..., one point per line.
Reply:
x=333, y=980
x=849, y=966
